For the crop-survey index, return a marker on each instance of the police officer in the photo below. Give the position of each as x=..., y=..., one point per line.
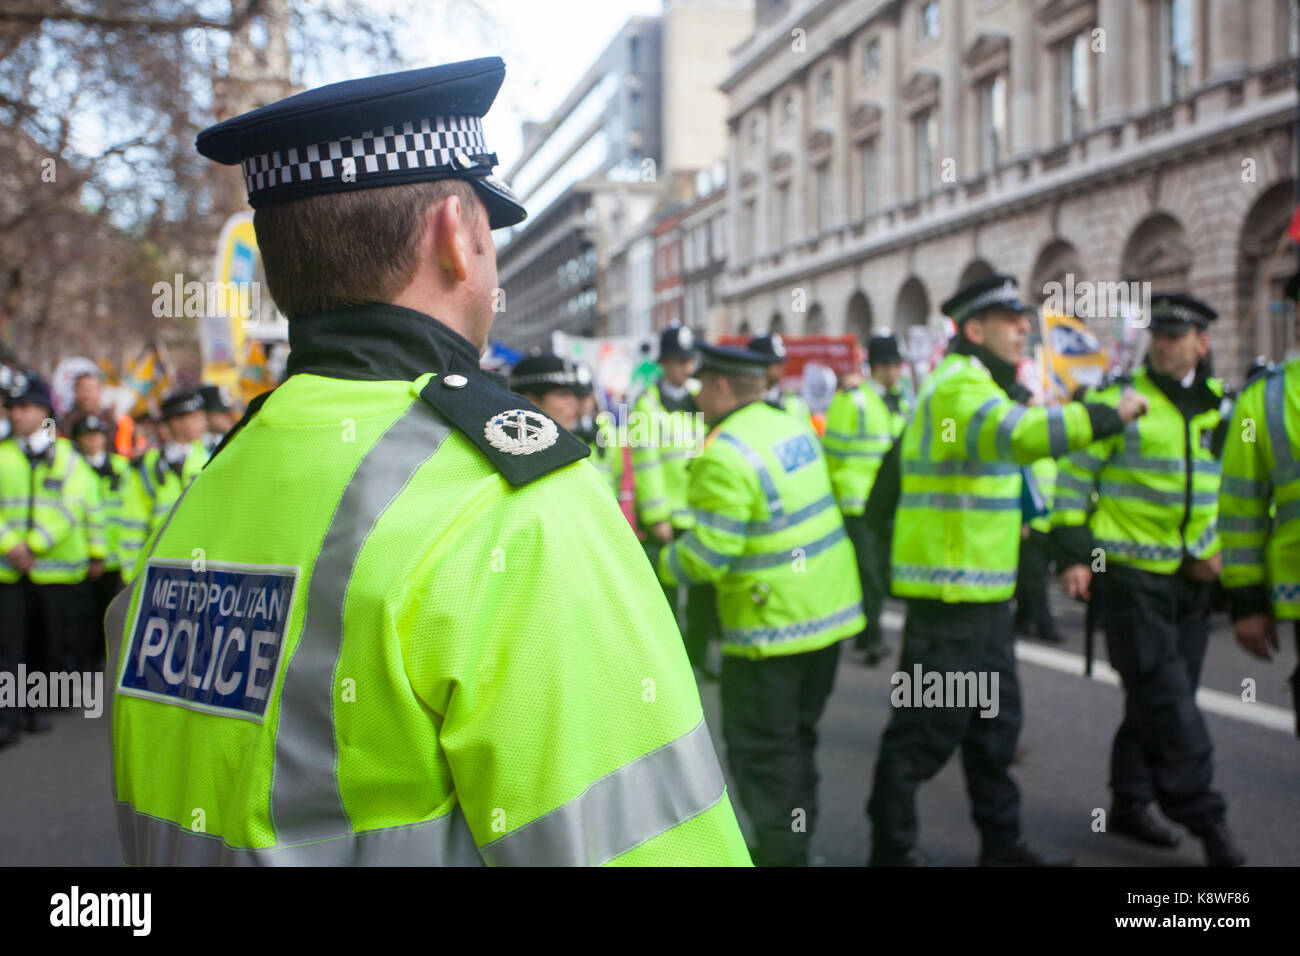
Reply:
x=51, y=540
x=955, y=548
x=165, y=472
x=665, y=433
x=219, y=408
x=551, y=383
x=862, y=423
x=596, y=429
x=767, y=532
x=376, y=628
x=1155, y=523
x=783, y=399
x=1259, y=510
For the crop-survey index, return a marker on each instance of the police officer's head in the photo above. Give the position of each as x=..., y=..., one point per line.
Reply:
x=183, y=419
x=219, y=408
x=729, y=377
x=885, y=358
x=772, y=345
x=30, y=403
x=551, y=383
x=1180, y=333
x=90, y=432
x=989, y=314
x=677, y=354
x=86, y=393
x=377, y=190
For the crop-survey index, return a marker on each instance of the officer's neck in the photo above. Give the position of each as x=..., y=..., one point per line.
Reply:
x=1003, y=372
x=426, y=294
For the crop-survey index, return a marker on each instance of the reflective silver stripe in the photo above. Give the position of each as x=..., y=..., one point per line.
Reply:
x=976, y=423
x=673, y=454
x=1066, y=480
x=764, y=478
x=652, y=503
x=1274, y=414
x=860, y=400
x=751, y=636
x=1244, y=487
x=674, y=561
x=720, y=522
x=772, y=559
x=970, y=577
x=1085, y=461
x=1005, y=428
x=305, y=800
x=1245, y=524
x=946, y=502
x=1287, y=512
x=1126, y=489
x=446, y=841
x=840, y=453
x=1131, y=549
x=714, y=559
x=1164, y=465
x=753, y=528
x=953, y=466
x=621, y=810
x=1250, y=556
x=1058, y=441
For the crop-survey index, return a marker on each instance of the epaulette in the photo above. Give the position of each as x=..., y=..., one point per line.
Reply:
x=519, y=446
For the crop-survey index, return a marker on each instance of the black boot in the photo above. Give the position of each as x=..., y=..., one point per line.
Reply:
x=1021, y=855
x=1139, y=821
x=1220, y=850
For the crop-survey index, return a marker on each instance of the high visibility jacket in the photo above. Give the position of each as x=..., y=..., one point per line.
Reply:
x=606, y=454
x=768, y=533
x=1044, y=472
x=792, y=403
x=122, y=531
x=858, y=434
x=161, y=482
x=1157, y=482
x=52, y=504
x=663, y=443
x=1259, y=502
x=957, y=524
x=395, y=644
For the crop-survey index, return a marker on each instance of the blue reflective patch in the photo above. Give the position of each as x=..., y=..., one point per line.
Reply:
x=210, y=640
x=794, y=453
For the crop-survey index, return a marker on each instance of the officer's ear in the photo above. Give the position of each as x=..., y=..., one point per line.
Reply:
x=451, y=236
x=1202, y=343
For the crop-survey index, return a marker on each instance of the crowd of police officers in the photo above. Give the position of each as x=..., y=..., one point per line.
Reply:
x=74, y=514
x=960, y=500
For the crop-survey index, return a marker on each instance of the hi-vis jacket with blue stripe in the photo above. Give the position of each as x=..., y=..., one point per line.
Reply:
x=767, y=531
x=377, y=629
x=957, y=525
x=860, y=429
x=1259, y=501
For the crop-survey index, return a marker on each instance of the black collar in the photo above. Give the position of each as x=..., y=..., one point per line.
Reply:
x=1004, y=373
x=374, y=342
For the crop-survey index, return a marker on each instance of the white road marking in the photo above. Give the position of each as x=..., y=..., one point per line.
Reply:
x=1068, y=662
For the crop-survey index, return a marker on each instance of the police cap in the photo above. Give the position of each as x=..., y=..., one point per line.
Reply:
x=1176, y=312
x=769, y=344
x=882, y=349
x=538, y=374
x=992, y=293
x=732, y=360
x=408, y=127
x=216, y=399
x=31, y=388
x=181, y=402
x=676, y=341
x=89, y=423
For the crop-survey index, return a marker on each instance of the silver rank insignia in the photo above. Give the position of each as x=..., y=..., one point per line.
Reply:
x=521, y=432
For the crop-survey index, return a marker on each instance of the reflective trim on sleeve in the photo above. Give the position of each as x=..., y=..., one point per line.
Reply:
x=975, y=424
x=621, y=810
x=674, y=562
x=1250, y=524
x=860, y=400
x=764, y=477
x=1252, y=557
x=1058, y=442
x=1127, y=489
x=652, y=503
x=948, y=502
x=714, y=559
x=719, y=522
x=305, y=800
x=1141, y=552
x=750, y=636
x=1005, y=428
x=1089, y=463
x=772, y=559
x=838, y=453
x=972, y=577
x=1287, y=512
x=955, y=466
x=1275, y=415
x=1244, y=487
x=1285, y=592
x=446, y=841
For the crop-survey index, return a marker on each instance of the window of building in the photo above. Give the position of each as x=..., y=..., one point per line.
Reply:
x=747, y=223
x=634, y=55
x=823, y=197
x=869, y=165
x=781, y=216
x=754, y=138
x=1073, y=86
x=634, y=111
x=824, y=89
x=925, y=129
x=1178, y=48
x=871, y=59
x=787, y=111
x=993, y=122
x=719, y=237
x=927, y=24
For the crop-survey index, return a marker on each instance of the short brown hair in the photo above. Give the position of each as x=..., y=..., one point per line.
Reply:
x=349, y=248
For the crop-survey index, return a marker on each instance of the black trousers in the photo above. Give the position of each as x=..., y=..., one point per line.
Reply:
x=1031, y=585
x=42, y=626
x=873, y=573
x=102, y=591
x=770, y=709
x=1156, y=635
x=919, y=740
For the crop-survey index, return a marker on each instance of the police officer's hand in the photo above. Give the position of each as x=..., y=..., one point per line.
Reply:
x=663, y=532
x=1076, y=581
x=1205, y=570
x=21, y=558
x=1255, y=633
x=96, y=569
x=1132, y=406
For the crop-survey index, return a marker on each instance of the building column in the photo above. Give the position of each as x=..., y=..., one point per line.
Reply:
x=1113, y=66
x=1023, y=85
x=1227, y=41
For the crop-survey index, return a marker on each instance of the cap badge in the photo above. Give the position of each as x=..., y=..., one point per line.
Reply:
x=520, y=432
x=685, y=338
